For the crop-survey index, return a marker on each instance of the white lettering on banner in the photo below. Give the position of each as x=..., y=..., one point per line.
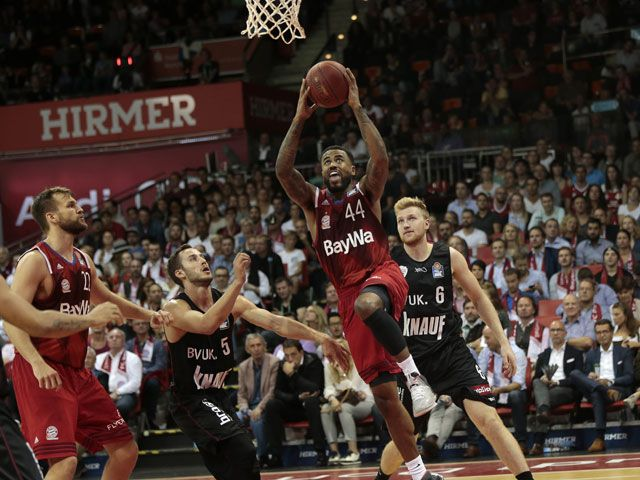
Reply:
x=162, y=112
x=91, y=201
x=81, y=309
x=354, y=239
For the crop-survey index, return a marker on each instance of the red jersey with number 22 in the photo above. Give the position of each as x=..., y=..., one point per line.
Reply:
x=71, y=294
x=350, y=240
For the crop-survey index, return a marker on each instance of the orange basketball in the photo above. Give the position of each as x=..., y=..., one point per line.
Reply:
x=328, y=84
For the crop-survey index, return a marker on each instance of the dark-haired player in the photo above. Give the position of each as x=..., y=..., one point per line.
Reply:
x=433, y=332
x=201, y=354
x=352, y=246
x=60, y=401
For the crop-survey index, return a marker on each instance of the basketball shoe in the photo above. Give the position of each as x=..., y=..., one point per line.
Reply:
x=422, y=397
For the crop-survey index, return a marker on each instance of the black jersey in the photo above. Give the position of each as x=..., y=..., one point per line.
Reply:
x=428, y=321
x=200, y=363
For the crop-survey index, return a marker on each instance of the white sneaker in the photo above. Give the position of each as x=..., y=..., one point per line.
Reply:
x=351, y=459
x=422, y=397
x=334, y=459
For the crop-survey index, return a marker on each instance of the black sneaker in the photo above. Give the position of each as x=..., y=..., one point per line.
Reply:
x=322, y=460
x=432, y=476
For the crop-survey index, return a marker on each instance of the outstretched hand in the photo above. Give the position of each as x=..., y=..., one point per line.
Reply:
x=161, y=318
x=105, y=314
x=241, y=265
x=354, y=96
x=304, y=110
x=336, y=353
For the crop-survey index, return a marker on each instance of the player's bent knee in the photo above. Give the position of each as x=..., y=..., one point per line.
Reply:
x=366, y=304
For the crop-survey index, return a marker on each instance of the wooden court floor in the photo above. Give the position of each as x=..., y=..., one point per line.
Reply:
x=580, y=467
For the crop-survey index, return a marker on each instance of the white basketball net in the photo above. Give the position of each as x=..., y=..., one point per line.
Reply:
x=276, y=18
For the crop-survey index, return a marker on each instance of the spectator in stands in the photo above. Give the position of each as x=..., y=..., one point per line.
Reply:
x=607, y=377
x=569, y=229
x=463, y=201
x=148, y=227
x=592, y=249
x=175, y=239
x=631, y=163
x=588, y=307
x=548, y=210
x=612, y=268
x=445, y=231
x=474, y=237
x=532, y=202
x=131, y=289
x=564, y=281
x=494, y=272
x=532, y=281
x=625, y=330
x=355, y=145
x=513, y=292
x=335, y=328
x=153, y=355
x=629, y=56
x=286, y=302
x=486, y=185
x=501, y=204
x=485, y=220
x=553, y=239
x=221, y=278
x=154, y=267
x=6, y=264
x=632, y=206
x=518, y=214
x=155, y=297
x=256, y=385
x=552, y=382
x=266, y=260
x=472, y=326
x=604, y=294
x=526, y=331
x=226, y=255
x=120, y=372
x=331, y=299
x=299, y=384
x=625, y=289
x=293, y=259
x=98, y=340
x=508, y=391
x=541, y=258
x=351, y=399
x=442, y=419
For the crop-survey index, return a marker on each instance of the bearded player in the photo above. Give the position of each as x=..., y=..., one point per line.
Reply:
x=344, y=221
x=433, y=333
x=60, y=401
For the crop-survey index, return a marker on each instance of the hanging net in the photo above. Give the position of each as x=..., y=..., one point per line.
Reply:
x=276, y=18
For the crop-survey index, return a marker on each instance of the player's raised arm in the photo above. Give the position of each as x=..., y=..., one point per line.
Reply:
x=288, y=328
x=378, y=166
x=294, y=184
x=189, y=320
x=487, y=312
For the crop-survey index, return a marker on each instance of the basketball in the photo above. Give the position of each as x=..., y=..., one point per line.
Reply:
x=327, y=84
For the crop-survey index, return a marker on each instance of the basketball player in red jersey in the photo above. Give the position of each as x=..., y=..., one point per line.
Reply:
x=60, y=401
x=16, y=460
x=344, y=221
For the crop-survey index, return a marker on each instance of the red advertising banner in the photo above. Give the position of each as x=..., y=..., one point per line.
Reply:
x=96, y=177
x=229, y=53
x=268, y=109
x=117, y=118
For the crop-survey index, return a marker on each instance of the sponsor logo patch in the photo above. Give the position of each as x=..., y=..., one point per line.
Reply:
x=404, y=270
x=66, y=286
x=60, y=267
x=325, y=223
x=437, y=270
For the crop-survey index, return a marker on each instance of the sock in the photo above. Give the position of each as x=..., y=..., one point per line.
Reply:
x=416, y=468
x=525, y=476
x=381, y=475
x=408, y=366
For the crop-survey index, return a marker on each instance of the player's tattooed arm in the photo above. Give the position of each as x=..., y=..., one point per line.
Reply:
x=378, y=167
x=291, y=179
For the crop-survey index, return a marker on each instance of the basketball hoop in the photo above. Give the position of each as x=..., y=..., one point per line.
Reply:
x=276, y=18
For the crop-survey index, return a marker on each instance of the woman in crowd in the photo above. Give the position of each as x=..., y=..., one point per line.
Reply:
x=190, y=224
x=559, y=177
x=477, y=268
x=632, y=206
x=595, y=197
x=213, y=217
x=460, y=244
x=612, y=267
x=350, y=398
x=104, y=254
x=518, y=215
x=513, y=238
x=623, y=244
x=615, y=192
x=625, y=327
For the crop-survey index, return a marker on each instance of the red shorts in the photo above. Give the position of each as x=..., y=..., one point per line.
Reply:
x=79, y=411
x=369, y=357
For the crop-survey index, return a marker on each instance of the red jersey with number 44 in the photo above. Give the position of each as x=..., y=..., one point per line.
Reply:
x=350, y=240
x=71, y=294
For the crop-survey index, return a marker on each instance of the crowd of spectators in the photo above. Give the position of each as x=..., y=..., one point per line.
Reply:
x=55, y=49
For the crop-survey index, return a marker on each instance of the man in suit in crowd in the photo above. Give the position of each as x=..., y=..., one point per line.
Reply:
x=299, y=385
x=552, y=384
x=256, y=384
x=607, y=377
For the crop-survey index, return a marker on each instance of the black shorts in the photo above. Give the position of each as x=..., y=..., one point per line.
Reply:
x=451, y=371
x=206, y=418
x=16, y=460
